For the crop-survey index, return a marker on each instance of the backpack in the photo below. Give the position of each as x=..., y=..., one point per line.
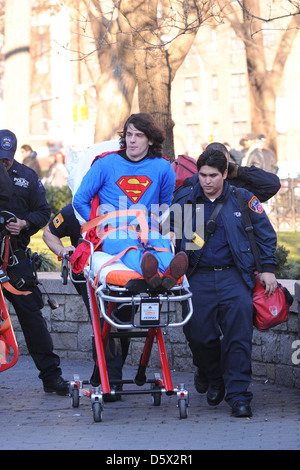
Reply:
x=184, y=167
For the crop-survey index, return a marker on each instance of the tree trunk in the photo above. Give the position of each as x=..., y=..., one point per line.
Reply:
x=156, y=63
x=116, y=84
x=115, y=89
x=263, y=83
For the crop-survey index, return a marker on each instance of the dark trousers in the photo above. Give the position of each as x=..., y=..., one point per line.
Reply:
x=34, y=327
x=220, y=330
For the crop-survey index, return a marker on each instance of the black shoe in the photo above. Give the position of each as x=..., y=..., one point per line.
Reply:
x=215, y=394
x=200, y=382
x=176, y=269
x=149, y=266
x=241, y=409
x=59, y=386
x=110, y=397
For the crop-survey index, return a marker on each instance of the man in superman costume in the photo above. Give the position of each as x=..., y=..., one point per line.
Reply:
x=135, y=178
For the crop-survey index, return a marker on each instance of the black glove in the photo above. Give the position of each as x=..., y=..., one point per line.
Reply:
x=233, y=170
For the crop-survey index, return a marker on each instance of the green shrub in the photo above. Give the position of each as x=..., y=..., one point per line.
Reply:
x=48, y=265
x=58, y=197
x=284, y=269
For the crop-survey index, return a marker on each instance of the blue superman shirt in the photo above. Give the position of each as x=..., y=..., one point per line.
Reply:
x=123, y=184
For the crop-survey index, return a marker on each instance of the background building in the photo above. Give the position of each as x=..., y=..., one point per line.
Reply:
x=210, y=95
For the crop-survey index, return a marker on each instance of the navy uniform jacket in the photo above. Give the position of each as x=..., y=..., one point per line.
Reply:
x=261, y=183
x=229, y=245
x=28, y=201
x=65, y=224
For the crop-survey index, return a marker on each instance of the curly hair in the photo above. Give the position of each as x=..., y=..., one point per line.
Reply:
x=145, y=123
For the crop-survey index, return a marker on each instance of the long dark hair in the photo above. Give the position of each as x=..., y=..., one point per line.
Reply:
x=145, y=123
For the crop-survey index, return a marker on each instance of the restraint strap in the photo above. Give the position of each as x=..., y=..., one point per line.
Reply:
x=139, y=214
x=119, y=255
x=115, y=258
x=5, y=326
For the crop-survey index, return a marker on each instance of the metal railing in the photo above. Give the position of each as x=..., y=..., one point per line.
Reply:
x=284, y=209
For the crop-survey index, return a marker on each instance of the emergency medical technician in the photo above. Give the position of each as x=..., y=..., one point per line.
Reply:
x=32, y=212
x=220, y=330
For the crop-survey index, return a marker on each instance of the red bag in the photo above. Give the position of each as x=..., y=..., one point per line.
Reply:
x=270, y=310
x=184, y=167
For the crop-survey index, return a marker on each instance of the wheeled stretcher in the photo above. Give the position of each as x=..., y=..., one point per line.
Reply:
x=111, y=286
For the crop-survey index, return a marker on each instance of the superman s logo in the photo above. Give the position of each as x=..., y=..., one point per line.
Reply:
x=134, y=186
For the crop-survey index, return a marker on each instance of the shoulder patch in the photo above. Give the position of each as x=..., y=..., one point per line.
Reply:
x=255, y=205
x=58, y=220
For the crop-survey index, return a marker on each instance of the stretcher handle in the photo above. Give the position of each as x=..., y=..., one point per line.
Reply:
x=136, y=300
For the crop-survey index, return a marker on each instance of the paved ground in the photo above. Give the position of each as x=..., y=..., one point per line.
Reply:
x=33, y=420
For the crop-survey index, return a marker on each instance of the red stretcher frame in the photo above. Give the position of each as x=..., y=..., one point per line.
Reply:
x=9, y=351
x=101, y=337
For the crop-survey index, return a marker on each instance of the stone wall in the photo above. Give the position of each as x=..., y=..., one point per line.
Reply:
x=71, y=332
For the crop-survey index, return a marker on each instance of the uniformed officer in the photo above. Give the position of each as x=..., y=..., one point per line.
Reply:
x=32, y=212
x=220, y=330
x=65, y=224
x=261, y=183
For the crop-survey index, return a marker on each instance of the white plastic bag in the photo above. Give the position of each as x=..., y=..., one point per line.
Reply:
x=79, y=162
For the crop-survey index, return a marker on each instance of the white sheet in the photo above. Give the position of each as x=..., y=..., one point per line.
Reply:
x=99, y=259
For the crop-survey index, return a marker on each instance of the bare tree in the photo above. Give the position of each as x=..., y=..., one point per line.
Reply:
x=246, y=20
x=144, y=43
x=116, y=84
x=161, y=43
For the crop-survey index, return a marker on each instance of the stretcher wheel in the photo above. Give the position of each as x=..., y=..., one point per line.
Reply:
x=75, y=398
x=64, y=275
x=183, y=408
x=97, y=412
x=156, y=396
x=156, y=399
